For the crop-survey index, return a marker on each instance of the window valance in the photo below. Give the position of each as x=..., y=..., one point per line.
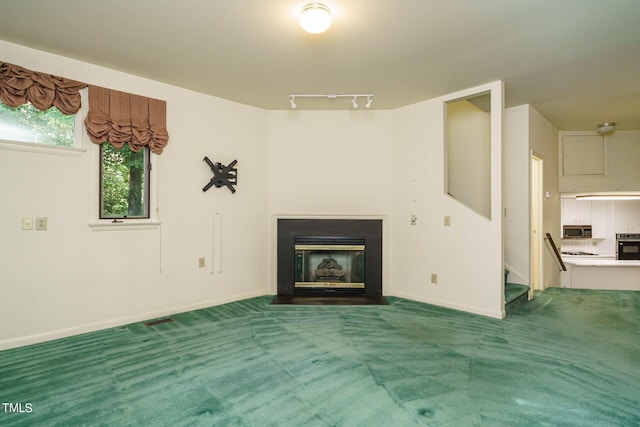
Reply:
x=113, y=116
x=123, y=118
x=19, y=85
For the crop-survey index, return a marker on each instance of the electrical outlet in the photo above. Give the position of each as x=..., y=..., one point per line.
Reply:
x=201, y=262
x=414, y=219
x=447, y=221
x=27, y=223
x=434, y=278
x=41, y=223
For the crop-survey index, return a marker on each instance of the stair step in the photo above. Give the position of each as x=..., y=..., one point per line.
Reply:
x=514, y=290
x=515, y=294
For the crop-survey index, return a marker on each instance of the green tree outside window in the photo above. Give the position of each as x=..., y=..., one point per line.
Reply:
x=124, y=182
x=28, y=124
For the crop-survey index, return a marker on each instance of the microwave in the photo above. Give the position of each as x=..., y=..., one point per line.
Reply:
x=576, y=232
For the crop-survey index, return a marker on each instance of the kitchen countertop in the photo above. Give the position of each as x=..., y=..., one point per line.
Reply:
x=601, y=271
x=600, y=262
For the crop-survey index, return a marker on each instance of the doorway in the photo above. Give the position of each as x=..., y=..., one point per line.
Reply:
x=537, y=238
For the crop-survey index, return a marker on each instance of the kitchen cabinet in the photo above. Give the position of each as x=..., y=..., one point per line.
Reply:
x=627, y=216
x=605, y=274
x=598, y=219
x=576, y=212
x=586, y=212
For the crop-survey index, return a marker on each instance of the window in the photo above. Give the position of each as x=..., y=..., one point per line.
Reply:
x=26, y=123
x=42, y=113
x=124, y=182
x=39, y=111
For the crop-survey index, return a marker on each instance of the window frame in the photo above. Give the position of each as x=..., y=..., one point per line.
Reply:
x=111, y=224
x=82, y=145
x=146, y=190
x=76, y=149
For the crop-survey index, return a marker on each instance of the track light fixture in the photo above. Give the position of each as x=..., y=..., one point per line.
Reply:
x=369, y=102
x=354, y=98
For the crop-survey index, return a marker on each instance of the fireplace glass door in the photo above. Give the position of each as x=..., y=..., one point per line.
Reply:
x=326, y=264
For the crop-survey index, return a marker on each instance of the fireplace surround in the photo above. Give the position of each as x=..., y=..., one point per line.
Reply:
x=329, y=261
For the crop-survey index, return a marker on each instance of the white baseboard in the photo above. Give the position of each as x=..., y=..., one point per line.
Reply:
x=120, y=321
x=112, y=323
x=500, y=314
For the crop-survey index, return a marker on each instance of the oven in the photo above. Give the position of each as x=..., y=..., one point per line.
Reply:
x=628, y=246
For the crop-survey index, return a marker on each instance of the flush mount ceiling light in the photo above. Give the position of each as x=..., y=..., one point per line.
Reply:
x=606, y=127
x=354, y=98
x=315, y=18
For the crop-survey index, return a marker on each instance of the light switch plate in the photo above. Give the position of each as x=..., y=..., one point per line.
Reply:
x=41, y=223
x=27, y=223
x=447, y=221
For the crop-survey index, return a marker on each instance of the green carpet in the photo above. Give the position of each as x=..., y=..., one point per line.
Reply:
x=568, y=358
x=515, y=295
x=512, y=291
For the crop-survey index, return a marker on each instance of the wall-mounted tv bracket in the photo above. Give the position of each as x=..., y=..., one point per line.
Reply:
x=222, y=175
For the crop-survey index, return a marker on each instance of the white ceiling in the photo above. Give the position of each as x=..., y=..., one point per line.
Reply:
x=576, y=61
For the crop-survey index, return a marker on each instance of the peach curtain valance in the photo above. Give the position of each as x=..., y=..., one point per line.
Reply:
x=113, y=116
x=123, y=118
x=19, y=85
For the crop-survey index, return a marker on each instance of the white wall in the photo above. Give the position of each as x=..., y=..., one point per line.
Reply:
x=469, y=155
x=330, y=164
x=467, y=256
x=622, y=159
x=71, y=279
x=517, y=199
x=386, y=164
x=527, y=132
x=543, y=140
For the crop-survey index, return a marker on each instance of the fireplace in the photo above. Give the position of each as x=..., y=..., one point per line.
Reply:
x=329, y=263
x=334, y=260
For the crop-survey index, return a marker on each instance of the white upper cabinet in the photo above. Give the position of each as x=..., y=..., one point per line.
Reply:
x=599, y=219
x=586, y=212
x=576, y=212
x=627, y=216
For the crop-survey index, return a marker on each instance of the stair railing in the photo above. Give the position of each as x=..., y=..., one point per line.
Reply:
x=555, y=250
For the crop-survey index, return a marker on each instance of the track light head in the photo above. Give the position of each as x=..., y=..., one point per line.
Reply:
x=292, y=101
x=354, y=102
x=369, y=102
